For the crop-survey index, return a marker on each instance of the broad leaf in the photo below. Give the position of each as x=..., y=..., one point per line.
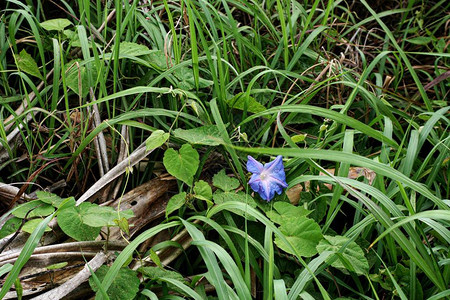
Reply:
x=49, y=198
x=124, y=287
x=284, y=211
x=224, y=182
x=352, y=254
x=222, y=197
x=206, y=135
x=239, y=102
x=133, y=49
x=56, y=24
x=203, y=190
x=304, y=234
x=157, y=59
x=183, y=164
x=175, y=203
x=27, y=64
x=10, y=226
x=71, y=222
x=75, y=71
x=187, y=82
x=420, y=40
x=156, y=139
x=99, y=216
x=155, y=273
x=31, y=225
x=35, y=208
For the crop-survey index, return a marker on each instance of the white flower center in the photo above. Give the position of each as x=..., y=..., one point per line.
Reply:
x=263, y=175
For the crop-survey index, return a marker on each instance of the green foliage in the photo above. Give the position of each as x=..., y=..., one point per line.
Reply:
x=10, y=226
x=71, y=222
x=351, y=256
x=56, y=24
x=27, y=64
x=205, y=135
x=31, y=225
x=156, y=139
x=245, y=103
x=175, y=203
x=225, y=183
x=182, y=164
x=34, y=208
x=77, y=77
x=203, y=190
x=124, y=287
x=303, y=233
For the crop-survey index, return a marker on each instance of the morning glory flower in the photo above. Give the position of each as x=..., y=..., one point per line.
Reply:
x=267, y=179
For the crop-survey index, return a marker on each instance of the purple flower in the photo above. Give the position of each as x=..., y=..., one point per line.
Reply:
x=267, y=179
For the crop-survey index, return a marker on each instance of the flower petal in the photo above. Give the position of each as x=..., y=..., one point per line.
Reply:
x=275, y=165
x=266, y=192
x=255, y=182
x=254, y=166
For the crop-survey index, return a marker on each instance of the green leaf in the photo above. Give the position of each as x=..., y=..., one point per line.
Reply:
x=157, y=59
x=5, y=269
x=10, y=226
x=298, y=138
x=156, y=139
x=203, y=190
x=222, y=197
x=124, y=287
x=304, y=234
x=27, y=64
x=99, y=216
x=37, y=208
x=55, y=24
x=57, y=266
x=49, y=198
x=186, y=77
x=420, y=40
x=31, y=225
x=71, y=222
x=155, y=273
x=353, y=254
x=133, y=49
x=285, y=211
x=206, y=135
x=123, y=225
x=76, y=71
x=224, y=182
x=175, y=203
x=155, y=258
x=238, y=102
x=183, y=164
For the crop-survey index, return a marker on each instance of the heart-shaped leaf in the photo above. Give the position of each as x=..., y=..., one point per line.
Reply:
x=71, y=222
x=304, y=234
x=183, y=164
x=56, y=24
x=353, y=255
